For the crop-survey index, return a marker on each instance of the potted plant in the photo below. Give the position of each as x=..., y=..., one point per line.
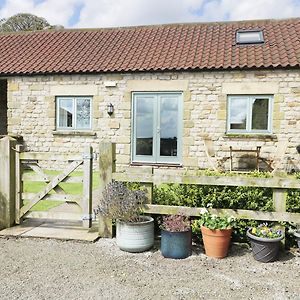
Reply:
x=134, y=232
x=265, y=242
x=216, y=232
x=297, y=234
x=176, y=237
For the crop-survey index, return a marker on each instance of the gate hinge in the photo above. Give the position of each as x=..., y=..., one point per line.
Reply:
x=93, y=156
x=88, y=217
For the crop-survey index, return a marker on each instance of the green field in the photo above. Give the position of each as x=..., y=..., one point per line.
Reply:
x=69, y=188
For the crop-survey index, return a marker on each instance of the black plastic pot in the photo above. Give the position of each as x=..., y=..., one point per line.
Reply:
x=297, y=236
x=264, y=249
x=176, y=245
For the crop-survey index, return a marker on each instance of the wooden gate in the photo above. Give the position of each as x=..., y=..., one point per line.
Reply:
x=52, y=190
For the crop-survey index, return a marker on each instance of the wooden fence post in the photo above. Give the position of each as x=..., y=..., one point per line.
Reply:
x=7, y=182
x=87, y=187
x=19, y=183
x=107, y=152
x=279, y=202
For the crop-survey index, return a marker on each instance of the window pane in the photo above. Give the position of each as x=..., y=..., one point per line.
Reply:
x=249, y=37
x=144, y=126
x=168, y=126
x=83, y=116
x=65, y=113
x=260, y=114
x=238, y=113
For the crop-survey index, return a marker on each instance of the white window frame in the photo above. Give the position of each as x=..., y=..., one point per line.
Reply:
x=250, y=99
x=74, y=123
x=240, y=32
x=156, y=158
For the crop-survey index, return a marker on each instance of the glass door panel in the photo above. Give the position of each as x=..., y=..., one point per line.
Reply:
x=168, y=126
x=144, y=122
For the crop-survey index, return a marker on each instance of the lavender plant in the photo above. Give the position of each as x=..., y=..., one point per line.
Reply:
x=176, y=223
x=119, y=202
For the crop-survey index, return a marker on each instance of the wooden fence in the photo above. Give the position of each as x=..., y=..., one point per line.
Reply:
x=155, y=176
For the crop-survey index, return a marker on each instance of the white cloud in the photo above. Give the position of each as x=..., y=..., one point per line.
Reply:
x=54, y=11
x=136, y=12
x=109, y=13
x=250, y=10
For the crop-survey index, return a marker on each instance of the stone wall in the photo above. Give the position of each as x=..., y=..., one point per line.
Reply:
x=31, y=111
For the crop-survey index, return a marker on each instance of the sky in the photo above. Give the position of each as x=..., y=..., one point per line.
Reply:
x=113, y=13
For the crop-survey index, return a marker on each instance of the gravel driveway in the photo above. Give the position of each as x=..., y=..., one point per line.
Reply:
x=51, y=269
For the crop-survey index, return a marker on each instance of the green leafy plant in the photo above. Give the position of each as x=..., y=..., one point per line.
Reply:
x=265, y=231
x=212, y=221
x=176, y=223
x=119, y=202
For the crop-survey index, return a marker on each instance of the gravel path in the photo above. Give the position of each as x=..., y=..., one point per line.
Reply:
x=50, y=269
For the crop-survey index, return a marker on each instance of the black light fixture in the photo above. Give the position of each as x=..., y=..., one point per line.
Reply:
x=110, y=109
x=298, y=149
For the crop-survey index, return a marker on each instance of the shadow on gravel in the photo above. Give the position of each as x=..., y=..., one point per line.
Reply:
x=285, y=256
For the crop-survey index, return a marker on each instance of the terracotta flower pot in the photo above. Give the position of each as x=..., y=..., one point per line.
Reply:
x=216, y=242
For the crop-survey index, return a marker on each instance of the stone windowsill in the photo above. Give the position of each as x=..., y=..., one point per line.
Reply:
x=240, y=136
x=74, y=132
x=157, y=165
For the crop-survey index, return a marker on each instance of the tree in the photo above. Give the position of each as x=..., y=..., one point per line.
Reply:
x=25, y=22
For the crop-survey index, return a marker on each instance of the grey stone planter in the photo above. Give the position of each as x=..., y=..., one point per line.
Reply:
x=264, y=249
x=297, y=236
x=135, y=237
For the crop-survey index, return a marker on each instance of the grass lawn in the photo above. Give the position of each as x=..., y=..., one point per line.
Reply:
x=69, y=188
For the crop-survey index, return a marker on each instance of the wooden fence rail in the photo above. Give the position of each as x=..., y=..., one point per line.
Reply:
x=158, y=176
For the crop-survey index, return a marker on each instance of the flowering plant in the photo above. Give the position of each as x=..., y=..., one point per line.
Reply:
x=213, y=221
x=265, y=231
x=119, y=202
x=176, y=223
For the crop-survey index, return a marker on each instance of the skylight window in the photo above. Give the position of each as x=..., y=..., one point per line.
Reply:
x=249, y=37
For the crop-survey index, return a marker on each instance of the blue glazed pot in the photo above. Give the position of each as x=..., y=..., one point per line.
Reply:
x=176, y=245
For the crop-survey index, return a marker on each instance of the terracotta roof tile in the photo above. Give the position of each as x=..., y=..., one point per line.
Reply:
x=199, y=46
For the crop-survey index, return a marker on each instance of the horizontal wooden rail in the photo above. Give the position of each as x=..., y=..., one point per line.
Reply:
x=238, y=213
x=159, y=178
x=54, y=215
x=49, y=156
x=37, y=178
x=55, y=197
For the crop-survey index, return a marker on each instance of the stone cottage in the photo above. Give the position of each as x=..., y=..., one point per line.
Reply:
x=182, y=95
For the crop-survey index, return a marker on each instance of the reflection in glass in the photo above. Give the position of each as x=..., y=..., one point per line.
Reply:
x=238, y=113
x=66, y=113
x=83, y=117
x=260, y=109
x=168, y=126
x=144, y=126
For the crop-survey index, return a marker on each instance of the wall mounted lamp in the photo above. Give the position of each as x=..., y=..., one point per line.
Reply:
x=110, y=109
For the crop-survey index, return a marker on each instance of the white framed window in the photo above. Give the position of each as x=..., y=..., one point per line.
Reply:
x=249, y=114
x=157, y=127
x=73, y=113
x=254, y=36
